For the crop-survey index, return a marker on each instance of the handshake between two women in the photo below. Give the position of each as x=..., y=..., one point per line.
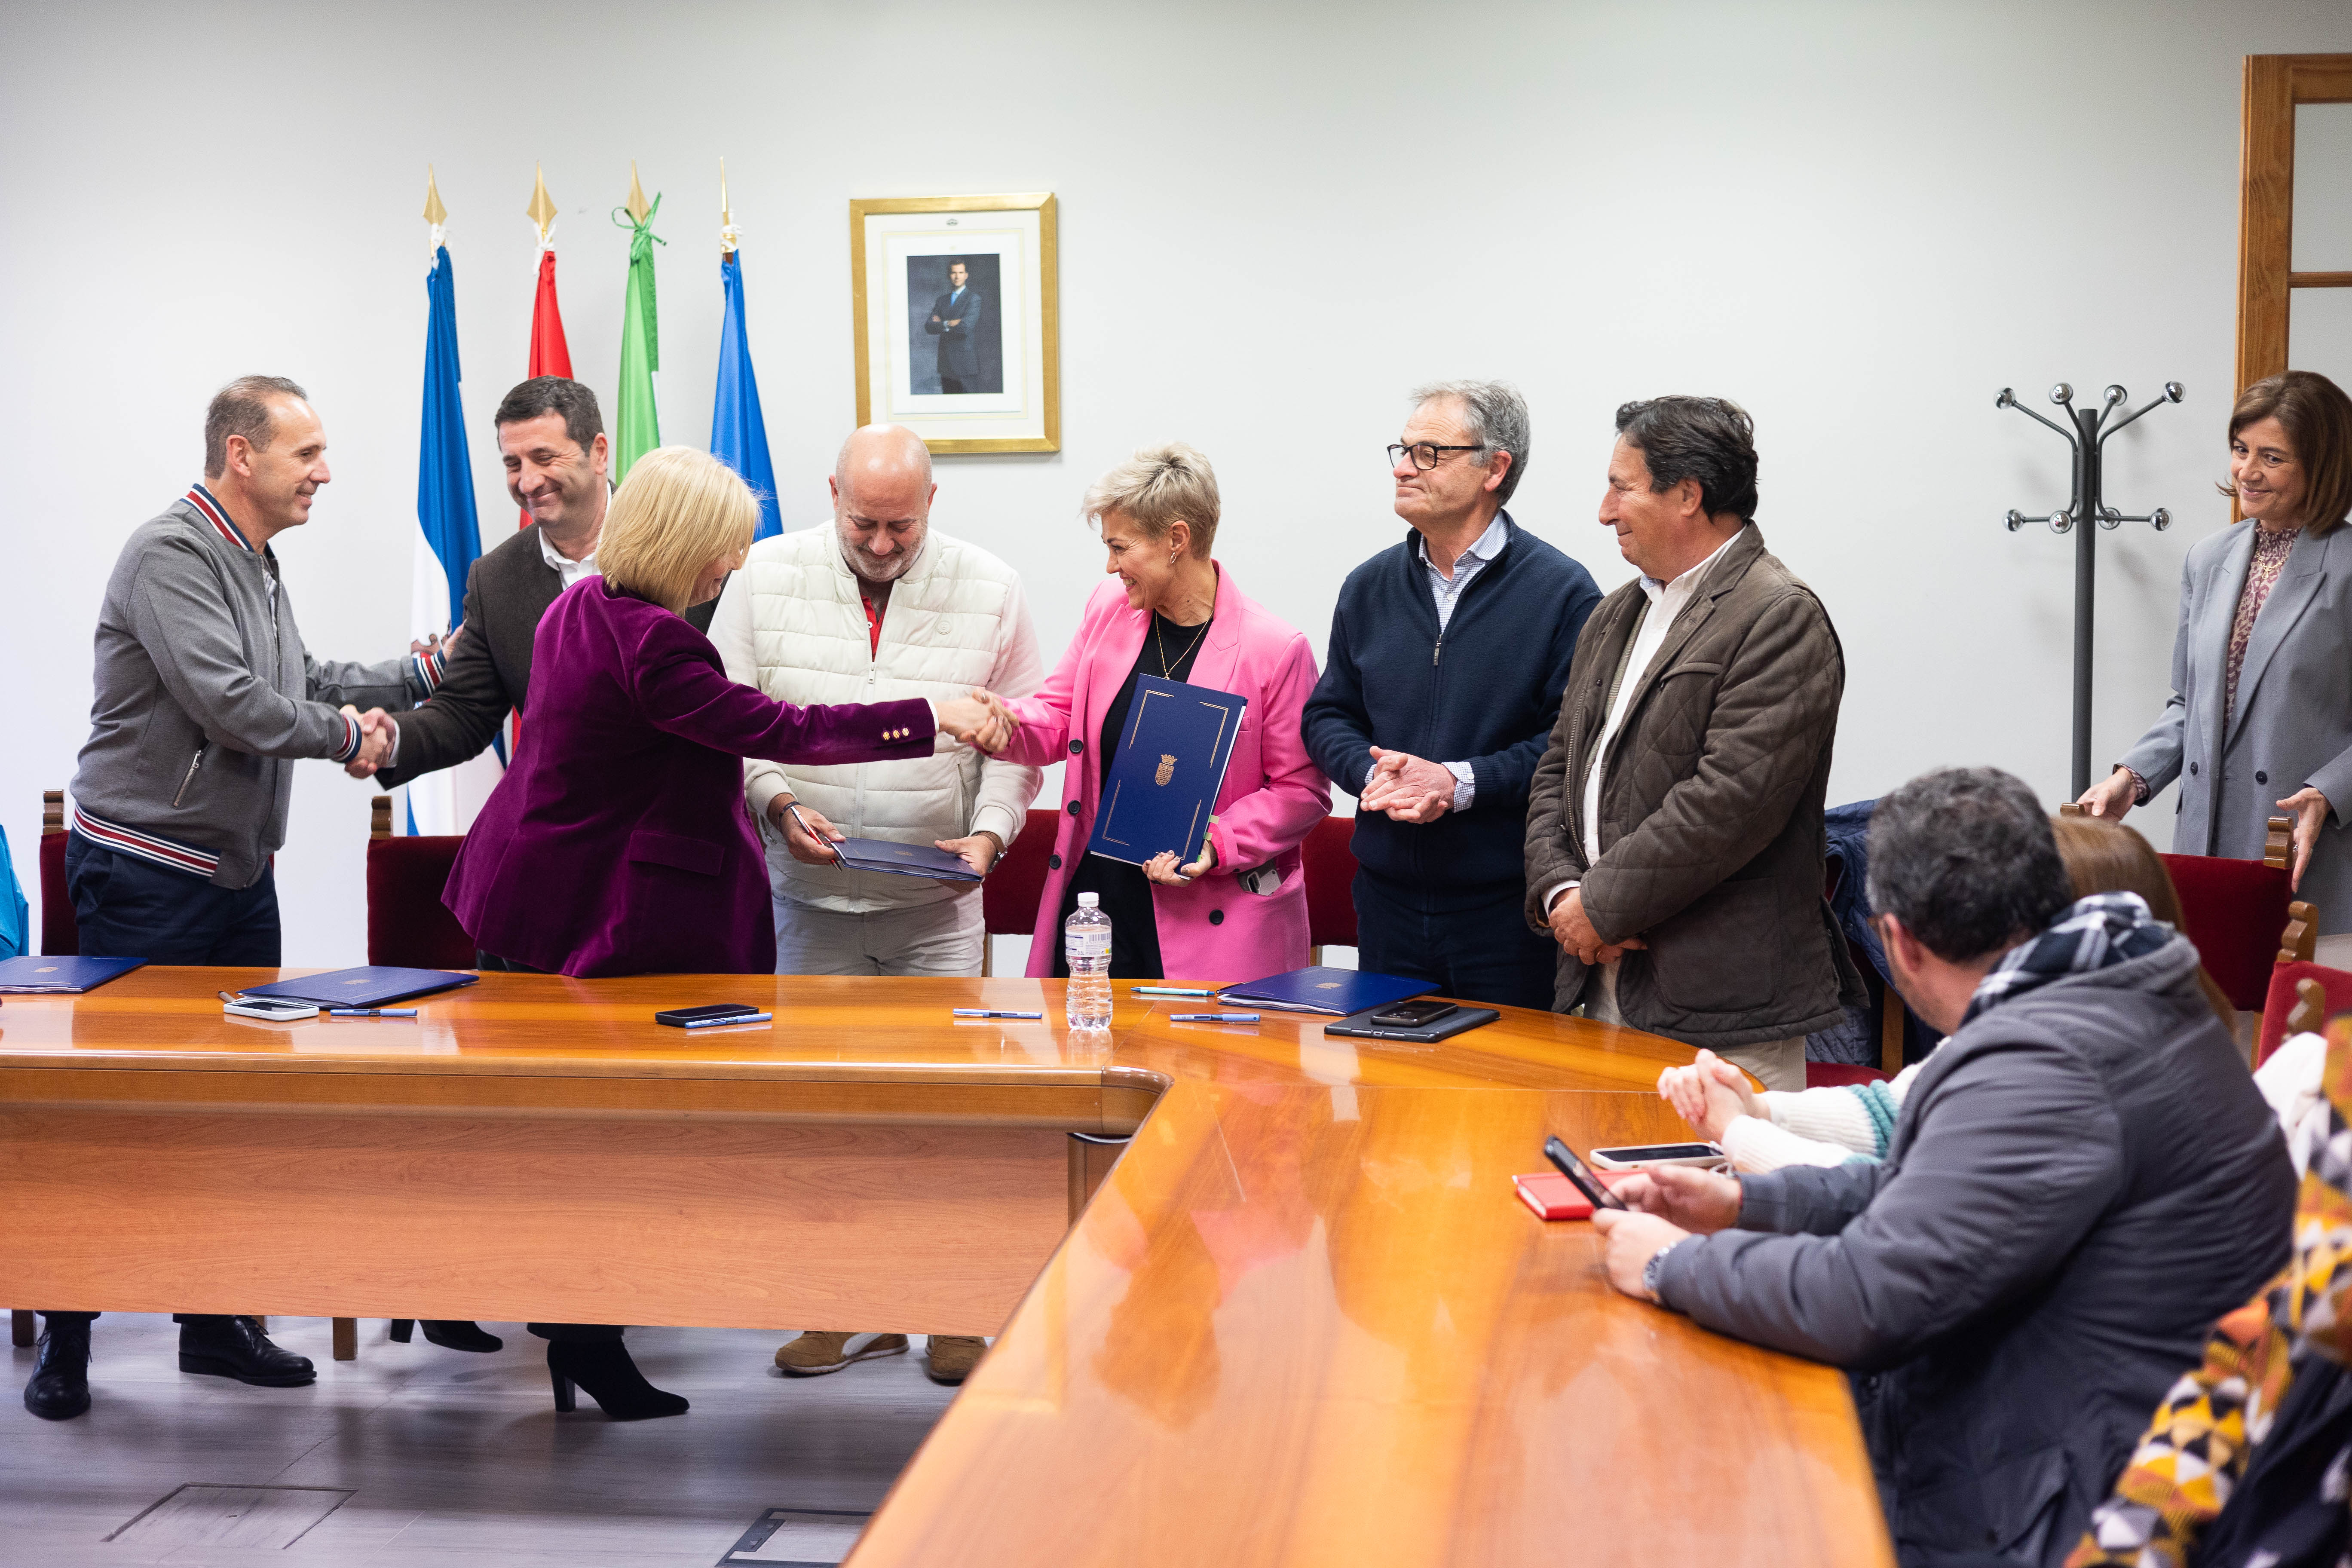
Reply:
x=981, y=721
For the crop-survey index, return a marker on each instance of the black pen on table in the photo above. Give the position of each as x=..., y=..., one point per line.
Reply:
x=993, y=1013
x=1212, y=1017
x=371, y=1012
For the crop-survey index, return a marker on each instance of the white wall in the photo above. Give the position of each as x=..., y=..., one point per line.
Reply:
x=1859, y=220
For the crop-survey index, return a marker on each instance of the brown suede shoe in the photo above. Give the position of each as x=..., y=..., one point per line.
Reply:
x=818, y=1351
x=950, y=1358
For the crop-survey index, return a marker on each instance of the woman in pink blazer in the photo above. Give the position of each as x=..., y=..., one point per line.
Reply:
x=1238, y=910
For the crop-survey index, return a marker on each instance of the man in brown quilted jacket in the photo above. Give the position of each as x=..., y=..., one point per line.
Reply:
x=1675, y=841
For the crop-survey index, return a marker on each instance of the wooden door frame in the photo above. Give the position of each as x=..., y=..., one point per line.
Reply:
x=2274, y=85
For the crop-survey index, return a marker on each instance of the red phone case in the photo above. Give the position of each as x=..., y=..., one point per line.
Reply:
x=1552, y=1196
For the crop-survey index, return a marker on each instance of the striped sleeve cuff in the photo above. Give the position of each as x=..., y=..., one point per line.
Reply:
x=425, y=672
x=350, y=745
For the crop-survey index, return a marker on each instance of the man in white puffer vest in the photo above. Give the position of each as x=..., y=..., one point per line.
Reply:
x=875, y=607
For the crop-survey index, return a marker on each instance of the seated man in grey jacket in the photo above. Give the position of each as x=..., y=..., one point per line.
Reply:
x=2082, y=1179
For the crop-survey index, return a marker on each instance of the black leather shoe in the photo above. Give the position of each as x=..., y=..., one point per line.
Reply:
x=602, y=1367
x=235, y=1347
x=457, y=1334
x=60, y=1388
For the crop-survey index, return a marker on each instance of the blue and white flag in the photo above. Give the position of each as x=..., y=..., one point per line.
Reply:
x=448, y=541
x=738, y=437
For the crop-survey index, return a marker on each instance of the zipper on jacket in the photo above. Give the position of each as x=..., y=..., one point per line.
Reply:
x=1437, y=652
x=194, y=763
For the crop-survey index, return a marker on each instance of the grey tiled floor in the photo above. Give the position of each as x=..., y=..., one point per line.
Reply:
x=455, y=1460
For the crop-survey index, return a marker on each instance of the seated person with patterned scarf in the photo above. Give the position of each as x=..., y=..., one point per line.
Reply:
x=1855, y=1121
x=2079, y=1183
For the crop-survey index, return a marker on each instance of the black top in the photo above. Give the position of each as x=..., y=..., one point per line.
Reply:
x=1124, y=892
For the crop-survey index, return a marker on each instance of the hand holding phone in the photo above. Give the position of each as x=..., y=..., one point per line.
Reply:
x=1561, y=1155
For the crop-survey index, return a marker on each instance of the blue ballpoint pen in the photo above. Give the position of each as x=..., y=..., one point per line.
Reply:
x=731, y=1018
x=993, y=1013
x=1212, y=1017
x=371, y=1012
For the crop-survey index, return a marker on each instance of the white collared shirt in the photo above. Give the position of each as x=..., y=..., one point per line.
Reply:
x=569, y=569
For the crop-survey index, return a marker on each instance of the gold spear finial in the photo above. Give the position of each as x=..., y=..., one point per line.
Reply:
x=542, y=209
x=638, y=206
x=726, y=218
x=435, y=213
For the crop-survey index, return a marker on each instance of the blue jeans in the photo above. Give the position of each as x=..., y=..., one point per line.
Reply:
x=1472, y=950
x=131, y=908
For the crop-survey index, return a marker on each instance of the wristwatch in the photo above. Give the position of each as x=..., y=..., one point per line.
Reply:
x=1650, y=1270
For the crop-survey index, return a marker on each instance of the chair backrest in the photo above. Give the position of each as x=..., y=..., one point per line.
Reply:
x=1008, y=900
x=2235, y=911
x=60, y=932
x=1330, y=883
x=2288, y=983
x=407, y=923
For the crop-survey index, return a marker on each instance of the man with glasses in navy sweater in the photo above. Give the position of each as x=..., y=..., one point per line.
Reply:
x=1447, y=657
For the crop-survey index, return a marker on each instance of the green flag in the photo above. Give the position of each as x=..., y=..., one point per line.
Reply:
x=639, y=423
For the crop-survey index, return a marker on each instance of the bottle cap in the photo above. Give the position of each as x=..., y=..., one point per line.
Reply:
x=1089, y=901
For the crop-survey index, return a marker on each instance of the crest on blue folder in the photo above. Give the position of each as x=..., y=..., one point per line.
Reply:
x=1161, y=785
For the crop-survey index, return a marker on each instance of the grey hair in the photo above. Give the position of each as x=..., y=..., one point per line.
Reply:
x=1498, y=418
x=1965, y=858
x=242, y=409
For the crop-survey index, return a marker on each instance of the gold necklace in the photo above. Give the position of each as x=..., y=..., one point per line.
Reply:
x=1156, y=642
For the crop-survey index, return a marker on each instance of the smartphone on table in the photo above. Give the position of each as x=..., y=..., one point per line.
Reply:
x=1417, y=1013
x=1574, y=1169
x=278, y=1009
x=682, y=1017
x=1641, y=1156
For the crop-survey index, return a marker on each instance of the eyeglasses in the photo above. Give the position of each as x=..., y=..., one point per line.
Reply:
x=1425, y=455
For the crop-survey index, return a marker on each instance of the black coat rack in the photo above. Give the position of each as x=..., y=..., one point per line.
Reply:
x=2086, y=431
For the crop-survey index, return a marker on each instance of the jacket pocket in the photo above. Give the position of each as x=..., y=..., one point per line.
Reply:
x=677, y=850
x=1720, y=954
x=2012, y=1509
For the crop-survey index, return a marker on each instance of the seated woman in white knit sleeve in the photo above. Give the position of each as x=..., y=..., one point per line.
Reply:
x=1764, y=1131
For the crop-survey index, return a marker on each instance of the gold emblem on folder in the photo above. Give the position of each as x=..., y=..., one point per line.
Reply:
x=1167, y=769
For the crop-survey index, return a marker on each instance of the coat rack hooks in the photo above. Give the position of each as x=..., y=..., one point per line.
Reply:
x=2086, y=431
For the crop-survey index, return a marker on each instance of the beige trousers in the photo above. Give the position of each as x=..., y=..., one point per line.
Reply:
x=1774, y=1064
x=942, y=939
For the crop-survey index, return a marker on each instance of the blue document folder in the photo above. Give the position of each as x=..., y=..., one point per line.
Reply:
x=903, y=859
x=1162, y=784
x=1338, y=992
x=372, y=986
x=69, y=976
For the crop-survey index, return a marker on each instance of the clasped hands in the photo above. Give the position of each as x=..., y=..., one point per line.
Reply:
x=981, y=721
x=1407, y=788
x=1574, y=931
x=376, y=734
x=1671, y=1202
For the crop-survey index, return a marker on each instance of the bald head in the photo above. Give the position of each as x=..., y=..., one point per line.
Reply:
x=882, y=493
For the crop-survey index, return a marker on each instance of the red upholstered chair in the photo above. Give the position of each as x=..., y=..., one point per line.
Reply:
x=1330, y=867
x=2230, y=907
x=407, y=923
x=1008, y=898
x=60, y=933
x=2303, y=996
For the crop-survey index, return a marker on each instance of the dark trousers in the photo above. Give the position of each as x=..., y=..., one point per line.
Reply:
x=952, y=383
x=1472, y=951
x=131, y=908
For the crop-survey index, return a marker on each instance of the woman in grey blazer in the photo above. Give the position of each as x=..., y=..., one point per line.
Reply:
x=2260, y=717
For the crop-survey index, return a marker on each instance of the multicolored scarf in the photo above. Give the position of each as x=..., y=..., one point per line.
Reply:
x=2090, y=933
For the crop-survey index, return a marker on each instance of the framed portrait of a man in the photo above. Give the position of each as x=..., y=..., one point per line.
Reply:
x=956, y=319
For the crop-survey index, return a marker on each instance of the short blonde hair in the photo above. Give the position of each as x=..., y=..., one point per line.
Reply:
x=1159, y=488
x=677, y=512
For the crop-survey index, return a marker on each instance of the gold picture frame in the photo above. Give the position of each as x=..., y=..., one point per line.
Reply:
x=999, y=391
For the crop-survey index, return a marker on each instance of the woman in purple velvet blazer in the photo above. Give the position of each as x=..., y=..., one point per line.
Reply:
x=616, y=843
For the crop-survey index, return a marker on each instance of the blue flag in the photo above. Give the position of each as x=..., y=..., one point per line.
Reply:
x=738, y=437
x=445, y=474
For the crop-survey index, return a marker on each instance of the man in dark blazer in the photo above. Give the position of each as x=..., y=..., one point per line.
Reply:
x=552, y=437
x=956, y=318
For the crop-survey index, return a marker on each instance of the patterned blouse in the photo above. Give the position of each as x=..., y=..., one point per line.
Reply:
x=2262, y=575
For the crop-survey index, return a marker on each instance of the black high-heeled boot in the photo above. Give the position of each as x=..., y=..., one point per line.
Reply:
x=449, y=1333
x=602, y=1367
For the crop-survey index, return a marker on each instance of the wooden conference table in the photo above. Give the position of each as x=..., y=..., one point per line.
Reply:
x=1303, y=1317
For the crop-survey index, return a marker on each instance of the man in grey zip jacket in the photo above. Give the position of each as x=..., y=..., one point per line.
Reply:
x=205, y=694
x=2082, y=1179
x=204, y=697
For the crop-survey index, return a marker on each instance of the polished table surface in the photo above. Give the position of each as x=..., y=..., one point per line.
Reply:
x=1303, y=1318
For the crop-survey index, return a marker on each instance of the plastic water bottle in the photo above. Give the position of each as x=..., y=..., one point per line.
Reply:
x=1086, y=944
